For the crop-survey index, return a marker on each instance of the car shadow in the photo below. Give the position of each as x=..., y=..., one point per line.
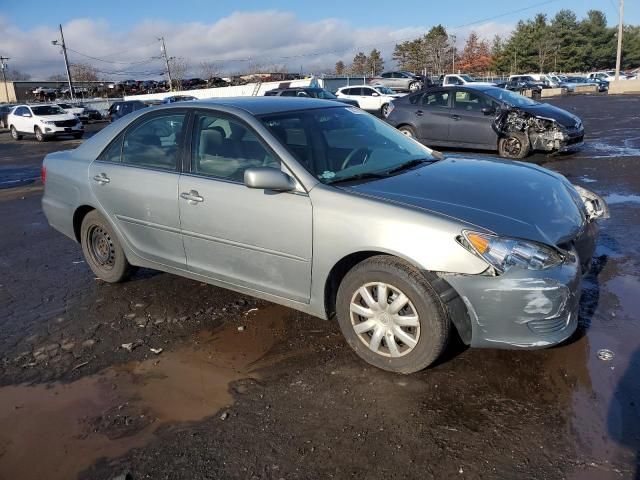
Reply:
x=623, y=419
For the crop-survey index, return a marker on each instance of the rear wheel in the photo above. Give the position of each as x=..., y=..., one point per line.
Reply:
x=102, y=250
x=14, y=133
x=408, y=131
x=414, y=87
x=514, y=145
x=391, y=315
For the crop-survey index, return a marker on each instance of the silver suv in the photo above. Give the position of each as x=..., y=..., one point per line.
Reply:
x=399, y=81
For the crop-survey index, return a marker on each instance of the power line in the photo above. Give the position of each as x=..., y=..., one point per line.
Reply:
x=109, y=61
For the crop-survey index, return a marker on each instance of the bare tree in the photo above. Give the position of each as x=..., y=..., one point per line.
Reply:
x=83, y=73
x=209, y=69
x=17, y=75
x=57, y=77
x=179, y=68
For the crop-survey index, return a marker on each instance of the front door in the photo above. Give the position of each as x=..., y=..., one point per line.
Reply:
x=471, y=126
x=246, y=237
x=136, y=183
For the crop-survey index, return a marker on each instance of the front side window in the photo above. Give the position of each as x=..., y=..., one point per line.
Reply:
x=338, y=143
x=21, y=111
x=224, y=148
x=436, y=100
x=154, y=143
x=368, y=92
x=112, y=152
x=470, y=101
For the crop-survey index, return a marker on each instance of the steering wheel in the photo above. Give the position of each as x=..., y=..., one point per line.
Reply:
x=354, y=154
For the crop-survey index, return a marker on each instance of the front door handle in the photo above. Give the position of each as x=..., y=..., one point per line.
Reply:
x=455, y=117
x=419, y=113
x=101, y=178
x=192, y=197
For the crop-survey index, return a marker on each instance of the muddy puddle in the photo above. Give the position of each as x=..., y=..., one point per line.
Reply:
x=58, y=430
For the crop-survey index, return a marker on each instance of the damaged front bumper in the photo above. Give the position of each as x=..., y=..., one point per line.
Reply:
x=527, y=309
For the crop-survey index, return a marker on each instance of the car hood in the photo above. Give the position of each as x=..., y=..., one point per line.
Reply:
x=562, y=117
x=57, y=118
x=508, y=198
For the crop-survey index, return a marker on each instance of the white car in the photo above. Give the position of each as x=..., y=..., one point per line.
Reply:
x=462, y=79
x=373, y=98
x=74, y=110
x=608, y=76
x=44, y=121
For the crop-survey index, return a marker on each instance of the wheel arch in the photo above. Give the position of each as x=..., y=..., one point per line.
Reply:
x=451, y=300
x=78, y=216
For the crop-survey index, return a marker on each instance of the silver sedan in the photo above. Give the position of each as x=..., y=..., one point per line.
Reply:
x=324, y=208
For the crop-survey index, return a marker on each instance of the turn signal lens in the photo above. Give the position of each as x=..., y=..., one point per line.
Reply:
x=481, y=244
x=43, y=174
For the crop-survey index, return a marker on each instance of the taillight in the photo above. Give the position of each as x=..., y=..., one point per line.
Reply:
x=43, y=173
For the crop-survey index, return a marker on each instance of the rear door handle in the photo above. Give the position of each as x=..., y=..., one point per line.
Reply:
x=419, y=113
x=192, y=197
x=101, y=178
x=455, y=117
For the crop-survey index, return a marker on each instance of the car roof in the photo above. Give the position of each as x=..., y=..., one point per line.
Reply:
x=265, y=105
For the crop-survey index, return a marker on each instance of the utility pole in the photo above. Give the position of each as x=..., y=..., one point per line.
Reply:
x=620, y=28
x=166, y=61
x=66, y=60
x=3, y=66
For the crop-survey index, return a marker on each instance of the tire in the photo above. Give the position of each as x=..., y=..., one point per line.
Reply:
x=384, y=110
x=78, y=136
x=39, y=135
x=14, y=134
x=102, y=250
x=408, y=131
x=414, y=87
x=514, y=145
x=425, y=337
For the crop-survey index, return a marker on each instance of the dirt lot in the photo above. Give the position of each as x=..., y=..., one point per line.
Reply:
x=246, y=389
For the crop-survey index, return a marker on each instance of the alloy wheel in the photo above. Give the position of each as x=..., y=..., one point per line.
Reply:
x=384, y=319
x=513, y=146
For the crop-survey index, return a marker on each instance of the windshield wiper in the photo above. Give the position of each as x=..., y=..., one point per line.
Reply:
x=360, y=176
x=410, y=164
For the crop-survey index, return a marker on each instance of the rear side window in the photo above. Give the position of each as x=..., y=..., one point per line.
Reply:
x=112, y=152
x=288, y=93
x=154, y=143
x=436, y=100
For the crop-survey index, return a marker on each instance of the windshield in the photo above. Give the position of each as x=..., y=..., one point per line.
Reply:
x=511, y=98
x=320, y=93
x=467, y=78
x=47, y=110
x=64, y=105
x=338, y=143
x=384, y=90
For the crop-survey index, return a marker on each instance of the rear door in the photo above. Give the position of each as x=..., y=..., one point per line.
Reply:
x=135, y=181
x=470, y=125
x=246, y=237
x=432, y=117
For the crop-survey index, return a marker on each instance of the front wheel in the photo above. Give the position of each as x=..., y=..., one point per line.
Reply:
x=514, y=145
x=414, y=87
x=102, y=250
x=391, y=315
x=39, y=136
x=384, y=110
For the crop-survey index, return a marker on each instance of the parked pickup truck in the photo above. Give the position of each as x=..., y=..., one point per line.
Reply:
x=460, y=79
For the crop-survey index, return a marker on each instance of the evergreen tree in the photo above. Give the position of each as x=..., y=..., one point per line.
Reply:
x=359, y=65
x=375, y=63
x=340, y=68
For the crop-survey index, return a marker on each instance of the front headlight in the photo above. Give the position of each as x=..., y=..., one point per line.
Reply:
x=504, y=253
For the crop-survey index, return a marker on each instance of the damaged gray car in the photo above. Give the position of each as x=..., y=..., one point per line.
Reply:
x=486, y=118
x=328, y=210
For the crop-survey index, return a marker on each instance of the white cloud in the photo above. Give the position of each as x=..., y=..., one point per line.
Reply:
x=266, y=37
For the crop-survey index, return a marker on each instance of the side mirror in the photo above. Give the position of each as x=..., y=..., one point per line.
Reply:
x=375, y=94
x=488, y=110
x=26, y=114
x=267, y=178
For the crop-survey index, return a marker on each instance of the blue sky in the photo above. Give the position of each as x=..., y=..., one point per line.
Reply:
x=122, y=15
x=122, y=36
